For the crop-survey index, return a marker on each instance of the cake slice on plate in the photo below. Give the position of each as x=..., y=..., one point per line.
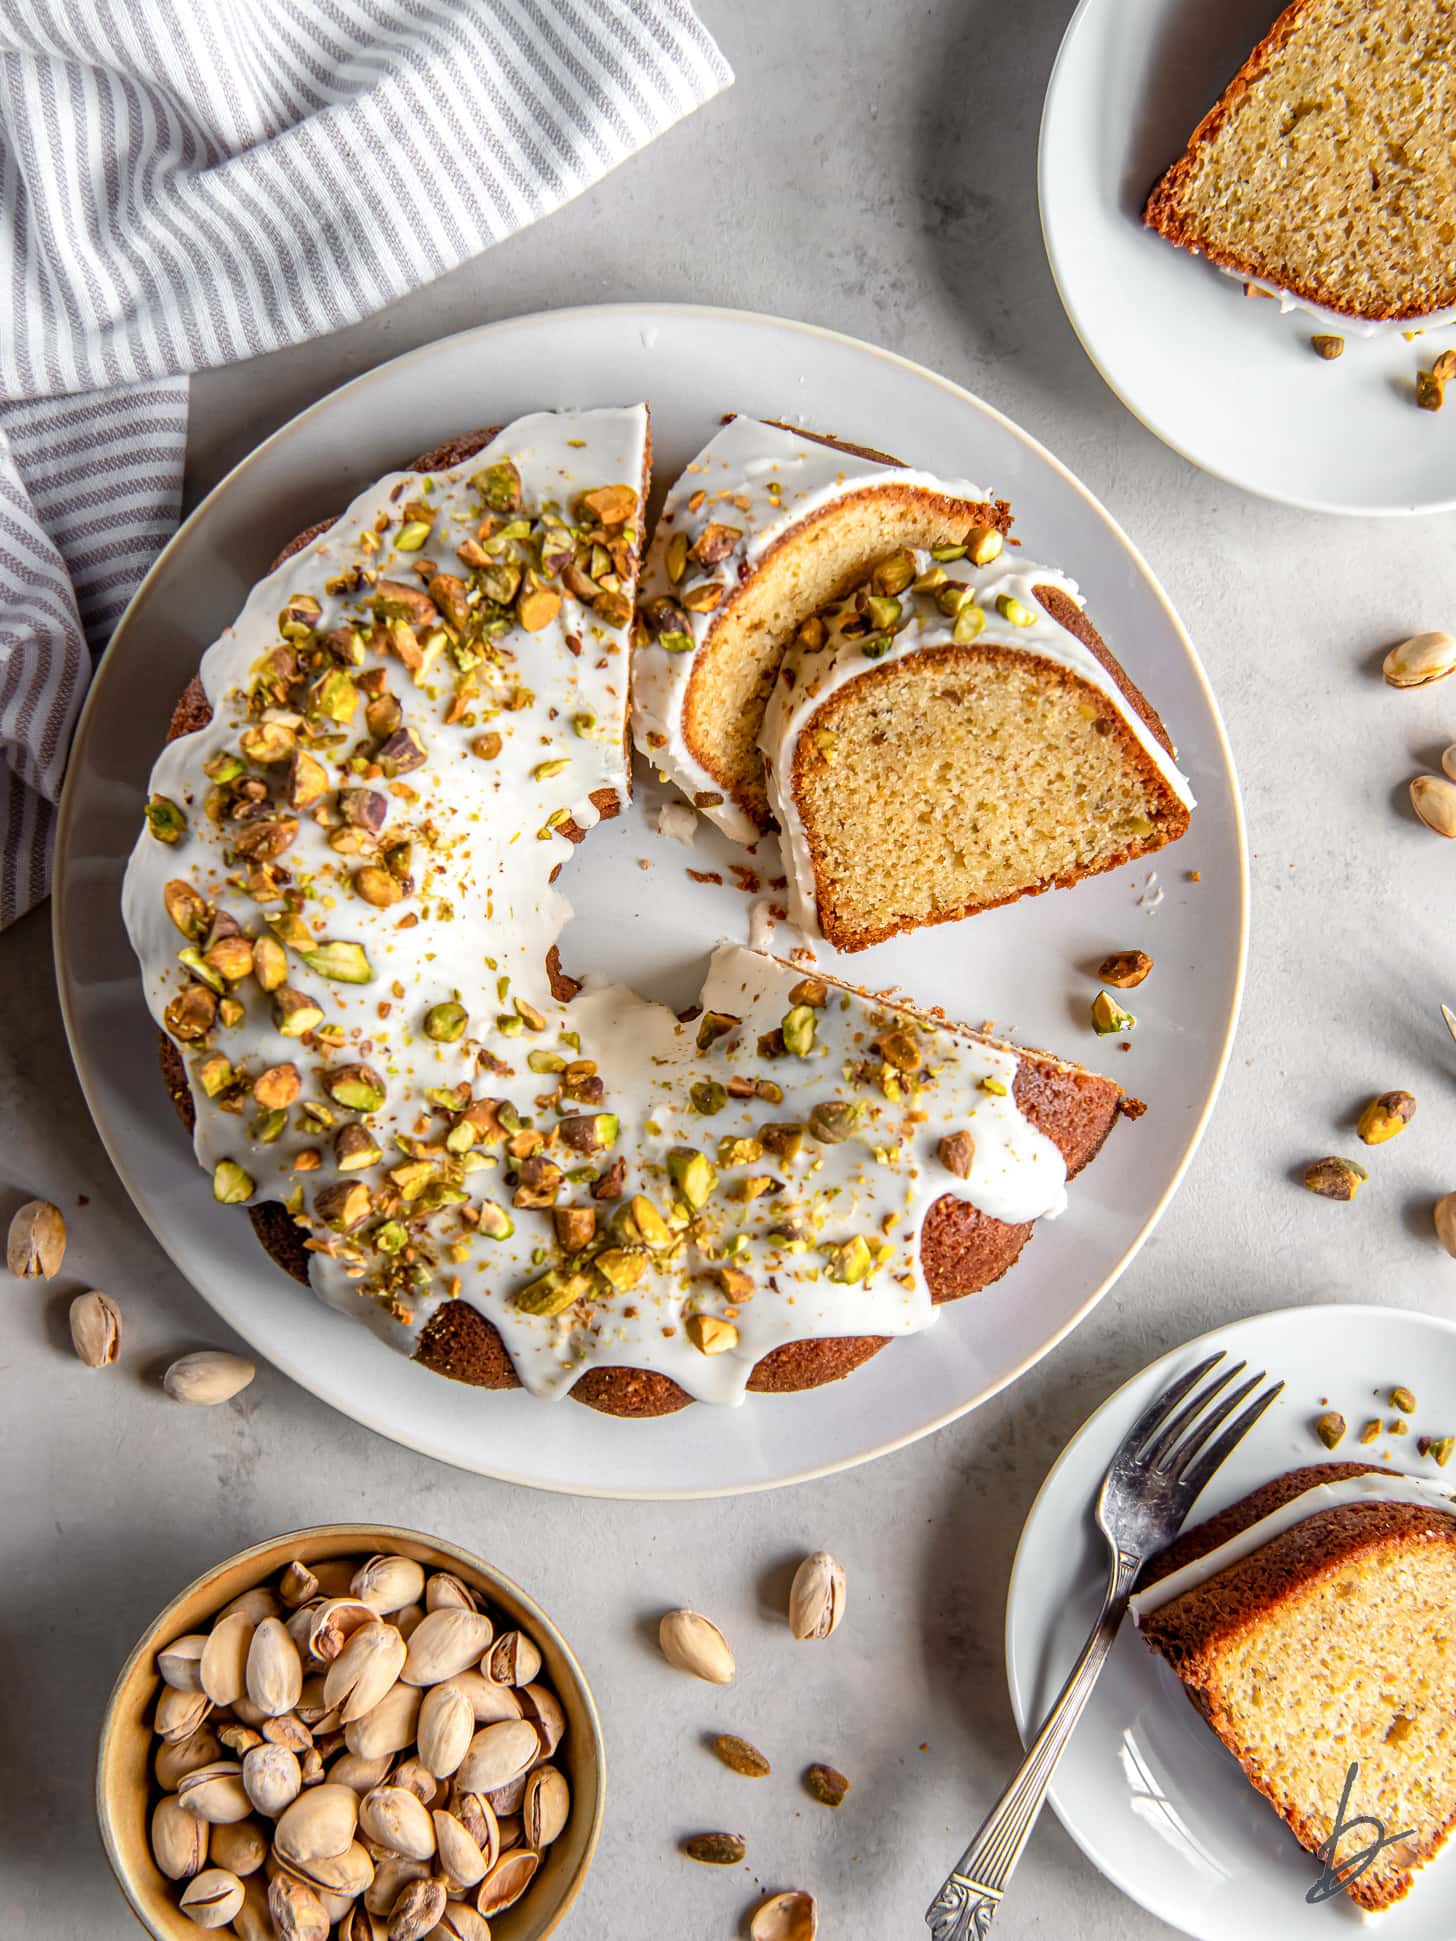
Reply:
x=765, y=526
x=1326, y=171
x=953, y=736
x=1313, y=1624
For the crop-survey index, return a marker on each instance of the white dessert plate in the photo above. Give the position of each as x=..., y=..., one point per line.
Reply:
x=640, y=917
x=1226, y=380
x=1144, y=1788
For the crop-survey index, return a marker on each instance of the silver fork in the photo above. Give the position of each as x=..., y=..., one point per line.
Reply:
x=1161, y=1465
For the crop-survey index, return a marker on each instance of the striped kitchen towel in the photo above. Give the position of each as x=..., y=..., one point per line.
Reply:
x=186, y=183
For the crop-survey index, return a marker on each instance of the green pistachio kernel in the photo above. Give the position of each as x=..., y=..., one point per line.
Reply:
x=446, y=1022
x=167, y=822
x=346, y=963
x=968, y=623
x=693, y=1174
x=850, y=1260
x=1010, y=608
x=1108, y=1016
x=412, y=535
x=230, y=1184
x=798, y=1030
x=707, y=1097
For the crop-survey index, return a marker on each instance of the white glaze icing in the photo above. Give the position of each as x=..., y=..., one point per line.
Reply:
x=475, y=929
x=810, y=676
x=1338, y=320
x=762, y=481
x=1367, y=1488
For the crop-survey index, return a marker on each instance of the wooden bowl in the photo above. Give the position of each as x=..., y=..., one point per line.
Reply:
x=125, y=1790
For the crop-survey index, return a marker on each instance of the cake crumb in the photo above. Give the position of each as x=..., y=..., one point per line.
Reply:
x=747, y=879
x=705, y=875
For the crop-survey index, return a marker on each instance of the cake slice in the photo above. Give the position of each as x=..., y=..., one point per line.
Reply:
x=1327, y=169
x=1313, y=1624
x=954, y=736
x=765, y=526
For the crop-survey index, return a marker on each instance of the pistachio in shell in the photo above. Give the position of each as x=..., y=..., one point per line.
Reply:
x=694, y=1644
x=36, y=1243
x=791, y=1916
x=95, y=1328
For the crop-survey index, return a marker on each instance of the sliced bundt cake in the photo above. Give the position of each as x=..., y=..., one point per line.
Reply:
x=343, y=906
x=1313, y=1624
x=765, y=526
x=953, y=736
x=1327, y=170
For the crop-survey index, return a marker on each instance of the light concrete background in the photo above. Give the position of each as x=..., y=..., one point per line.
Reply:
x=873, y=169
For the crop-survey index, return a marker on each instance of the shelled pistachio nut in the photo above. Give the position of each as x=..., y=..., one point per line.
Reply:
x=1385, y=1116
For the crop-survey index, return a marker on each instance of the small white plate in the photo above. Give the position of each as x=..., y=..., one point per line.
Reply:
x=1224, y=379
x=1144, y=1788
x=1027, y=965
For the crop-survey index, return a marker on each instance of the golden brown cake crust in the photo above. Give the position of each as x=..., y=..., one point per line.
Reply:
x=962, y=1250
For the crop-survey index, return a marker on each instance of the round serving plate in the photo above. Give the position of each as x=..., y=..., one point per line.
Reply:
x=1026, y=966
x=1144, y=1787
x=1230, y=382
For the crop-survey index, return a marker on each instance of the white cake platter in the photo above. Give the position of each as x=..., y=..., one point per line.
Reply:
x=640, y=916
x=1228, y=381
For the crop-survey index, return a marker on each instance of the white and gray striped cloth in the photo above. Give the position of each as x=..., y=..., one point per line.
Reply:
x=186, y=183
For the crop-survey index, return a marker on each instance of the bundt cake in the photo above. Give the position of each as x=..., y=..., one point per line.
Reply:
x=1327, y=170
x=343, y=906
x=954, y=736
x=1312, y=1625
x=766, y=526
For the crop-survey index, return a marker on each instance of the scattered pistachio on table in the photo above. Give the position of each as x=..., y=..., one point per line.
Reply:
x=1385, y=1116
x=793, y=1916
x=1124, y=969
x=95, y=1328
x=1443, y=1218
x=1335, y=1179
x=208, y=1377
x=1433, y=797
x=323, y=1709
x=823, y=1783
x=1330, y=1428
x=36, y=1242
x=1402, y=1399
x=816, y=1597
x=694, y=1644
x=716, y=1849
x=741, y=1757
x=1420, y=660
x=1108, y=1016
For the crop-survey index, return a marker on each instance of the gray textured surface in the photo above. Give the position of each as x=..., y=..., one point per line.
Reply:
x=872, y=170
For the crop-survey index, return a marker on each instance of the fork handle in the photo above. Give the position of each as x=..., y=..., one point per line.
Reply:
x=963, y=1909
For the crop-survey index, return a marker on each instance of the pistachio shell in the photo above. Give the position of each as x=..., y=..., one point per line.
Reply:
x=178, y=1757
x=416, y=1778
x=208, y=1377
x=271, y=1778
x=1433, y=797
x=476, y=1814
x=417, y=1911
x=95, y=1328
x=240, y=1845
x=395, y=1819
x=498, y=1754
x=816, y=1598
x=215, y=1793
x=545, y=1807
x=259, y=1601
x=179, y=1714
x=694, y=1644
x=334, y=1622
x=253, y=1922
x=514, y=1659
x=507, y=1880
x=367, y=1667
x=543, y=1708
x=274, y=1669
x=488, y=1701
x=444, y=1589
x=224, y=1666
x=179, y=1839
x=36, y=1242
x=339, y=1877
x=388, y=1583
x=457, y=1855
x=445, y=1642
x=212, y=1898
x=360, y=1925
x=297, y=1912
x=180, y=1663
x=318, y=1825
x=1421, y=659
x=389, y=1727
x=361, y=1775
x=392, y=1875
x=460, y=1922
x=785, y=1917
x=446, y=1727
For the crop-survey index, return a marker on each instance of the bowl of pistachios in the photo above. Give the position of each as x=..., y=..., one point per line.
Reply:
x=355, y=1731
